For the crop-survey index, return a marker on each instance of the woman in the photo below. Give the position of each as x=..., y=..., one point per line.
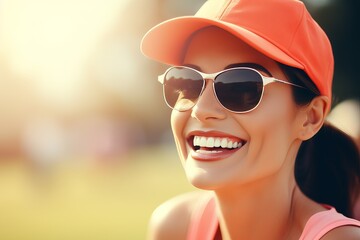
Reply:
x=250, y=88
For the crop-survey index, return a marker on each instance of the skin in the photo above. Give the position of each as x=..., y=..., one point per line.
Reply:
x=255, y=184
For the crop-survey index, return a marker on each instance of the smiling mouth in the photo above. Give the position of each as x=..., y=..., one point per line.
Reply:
x=202, y=144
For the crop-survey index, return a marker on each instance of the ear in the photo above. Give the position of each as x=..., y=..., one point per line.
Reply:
x=313, y=116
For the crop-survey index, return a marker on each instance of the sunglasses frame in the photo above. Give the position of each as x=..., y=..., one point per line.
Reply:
x=212, y=76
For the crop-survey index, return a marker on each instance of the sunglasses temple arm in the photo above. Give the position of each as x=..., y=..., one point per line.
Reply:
x=268, y=80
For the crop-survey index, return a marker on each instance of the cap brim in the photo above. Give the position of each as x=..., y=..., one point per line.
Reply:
x=166, y=41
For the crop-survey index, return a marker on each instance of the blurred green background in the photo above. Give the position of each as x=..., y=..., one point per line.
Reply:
x=86, y=150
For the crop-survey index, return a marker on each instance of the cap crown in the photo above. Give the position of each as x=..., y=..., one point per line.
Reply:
x=280, y=29
x=287, y=25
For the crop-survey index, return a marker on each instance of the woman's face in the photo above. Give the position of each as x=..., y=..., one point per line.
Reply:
x=266, y=133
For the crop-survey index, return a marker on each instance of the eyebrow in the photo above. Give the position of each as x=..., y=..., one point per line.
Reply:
x=250, y=65
x=234, y=65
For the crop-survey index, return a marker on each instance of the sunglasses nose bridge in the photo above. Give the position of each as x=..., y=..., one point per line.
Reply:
x=209, y=76
x=206, y=78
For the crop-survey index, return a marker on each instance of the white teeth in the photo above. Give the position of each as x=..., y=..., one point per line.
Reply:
x=217, y=142
x=224, y=143
x=211, y=142
x=203, y=141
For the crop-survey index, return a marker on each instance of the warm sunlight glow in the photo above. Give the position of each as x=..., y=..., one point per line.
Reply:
x=49, y=42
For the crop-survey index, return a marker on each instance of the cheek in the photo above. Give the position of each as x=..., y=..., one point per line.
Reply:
x=278, y=111
x=271, y=129
x=178, y=124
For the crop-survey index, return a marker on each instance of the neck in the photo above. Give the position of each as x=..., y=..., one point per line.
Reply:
x=262, y=210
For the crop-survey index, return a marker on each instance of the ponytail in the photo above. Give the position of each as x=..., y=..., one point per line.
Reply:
x=327, y=169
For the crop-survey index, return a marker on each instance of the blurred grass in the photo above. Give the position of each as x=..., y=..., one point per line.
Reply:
x=76, y=199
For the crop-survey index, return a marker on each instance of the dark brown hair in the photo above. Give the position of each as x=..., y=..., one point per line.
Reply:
x=327, y=167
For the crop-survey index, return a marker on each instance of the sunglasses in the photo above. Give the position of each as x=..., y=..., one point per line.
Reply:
x=238, y=89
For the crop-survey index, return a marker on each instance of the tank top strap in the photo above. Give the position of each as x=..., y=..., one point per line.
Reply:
x=323, y=222
x=204, y=222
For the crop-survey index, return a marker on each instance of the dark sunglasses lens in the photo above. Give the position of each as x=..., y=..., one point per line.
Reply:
x=239, y=90
x=182, y=88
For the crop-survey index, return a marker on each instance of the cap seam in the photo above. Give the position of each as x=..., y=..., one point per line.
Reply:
x=280, y=47
x=293, y=38
x=225, y=7
x=329, y=73
x=186, y=45
x=298, y=26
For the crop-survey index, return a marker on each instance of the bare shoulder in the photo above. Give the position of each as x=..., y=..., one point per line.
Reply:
x=171, y=219
x=344, y=233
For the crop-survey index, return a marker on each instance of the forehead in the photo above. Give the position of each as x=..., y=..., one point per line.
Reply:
x=212, y=49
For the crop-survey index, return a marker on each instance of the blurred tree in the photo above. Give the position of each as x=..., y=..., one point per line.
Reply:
x=339, y=20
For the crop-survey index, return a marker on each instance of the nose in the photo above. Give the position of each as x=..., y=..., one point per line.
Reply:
x=207, y=106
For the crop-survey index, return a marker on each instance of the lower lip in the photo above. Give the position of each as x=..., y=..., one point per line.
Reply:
x=211, y=156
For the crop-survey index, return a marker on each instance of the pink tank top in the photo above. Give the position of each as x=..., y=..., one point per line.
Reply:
x=204, y=223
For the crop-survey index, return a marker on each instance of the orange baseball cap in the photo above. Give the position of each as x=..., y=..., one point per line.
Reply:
x=280, y=29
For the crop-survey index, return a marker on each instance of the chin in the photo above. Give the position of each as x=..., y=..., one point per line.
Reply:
x=205, y=178
x=202, y=182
